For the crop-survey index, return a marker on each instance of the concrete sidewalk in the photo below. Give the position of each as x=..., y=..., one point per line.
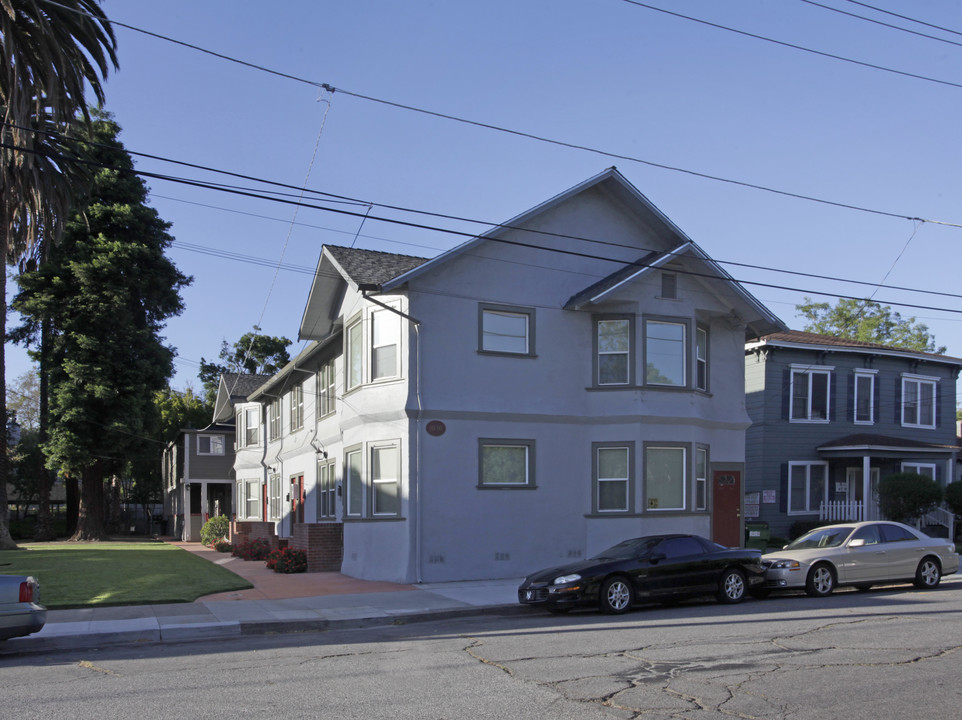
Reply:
x=277, y=603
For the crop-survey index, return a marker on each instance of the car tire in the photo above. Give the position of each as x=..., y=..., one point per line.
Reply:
x=731, y=586
x=615, y=596
x=760, y=593
x=928, y=575
x=820, y=581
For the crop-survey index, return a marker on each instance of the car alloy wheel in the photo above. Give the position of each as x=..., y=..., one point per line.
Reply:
x=821, y=581
x=731, y=589
x=615, y=596
x=929, y=574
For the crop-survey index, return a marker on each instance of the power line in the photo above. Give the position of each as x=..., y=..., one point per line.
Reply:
x=905, y=17
x=883, y=24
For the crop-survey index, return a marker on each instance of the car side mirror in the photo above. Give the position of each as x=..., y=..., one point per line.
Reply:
x=857, y=542
x=656, y=557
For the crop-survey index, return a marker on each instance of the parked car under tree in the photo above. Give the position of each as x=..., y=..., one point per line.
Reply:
x=656, y=568
x=20, y=613
x=859, y=554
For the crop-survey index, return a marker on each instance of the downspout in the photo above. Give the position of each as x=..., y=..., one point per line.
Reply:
x=186, y=532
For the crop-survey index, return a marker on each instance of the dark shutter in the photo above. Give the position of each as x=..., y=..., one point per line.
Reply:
x=783, y=489
x=786, y=393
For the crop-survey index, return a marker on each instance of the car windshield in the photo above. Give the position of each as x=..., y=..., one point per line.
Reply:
x=628, y=549
x=821, y=538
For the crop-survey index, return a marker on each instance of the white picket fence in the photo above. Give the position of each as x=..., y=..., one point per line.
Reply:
x=841, y=510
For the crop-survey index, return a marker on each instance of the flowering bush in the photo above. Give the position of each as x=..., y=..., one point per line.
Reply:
x=223, y=546
x=216, y=528
x=287, y=560
x=256, y=549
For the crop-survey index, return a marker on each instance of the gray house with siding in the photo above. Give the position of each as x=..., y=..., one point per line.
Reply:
x=571, y=378
x=830, y=417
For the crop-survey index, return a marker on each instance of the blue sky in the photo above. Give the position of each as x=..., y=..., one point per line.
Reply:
x=604, y=74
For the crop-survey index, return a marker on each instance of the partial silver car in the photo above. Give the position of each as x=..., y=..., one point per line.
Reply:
x=859, y=554
x=20, y=611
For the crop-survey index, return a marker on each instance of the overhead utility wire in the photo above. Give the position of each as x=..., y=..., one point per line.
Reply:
x=491, y=225
x=531, y=136
x=883, y=24
x=782, y=43
x=905, y=17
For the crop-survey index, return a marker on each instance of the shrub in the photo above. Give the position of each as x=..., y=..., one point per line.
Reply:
x=214, y=529
x=953, y=497
x=800, y=527
x=287, y=560
x=903, y=496
x=257, y=549
x=223, y=546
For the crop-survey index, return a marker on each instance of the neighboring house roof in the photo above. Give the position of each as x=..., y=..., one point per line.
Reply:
x=868, y=441
x=280, y=382
x=234, y=388
x=370, y=267
x=799, y=339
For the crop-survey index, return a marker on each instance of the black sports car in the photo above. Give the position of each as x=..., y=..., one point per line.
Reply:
x=647, y=569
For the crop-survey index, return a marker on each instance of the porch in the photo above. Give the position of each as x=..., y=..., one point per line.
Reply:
x=937, y=522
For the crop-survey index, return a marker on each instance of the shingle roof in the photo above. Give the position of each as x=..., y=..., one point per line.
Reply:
x=808, y=338
x=241, y=385
x=371, y=266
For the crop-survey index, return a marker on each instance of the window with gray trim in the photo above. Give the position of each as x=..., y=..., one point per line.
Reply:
x=612, y=476
x=354, y=481
x=210, y=444
x=666, y=353
x=385, y=344
x=701, y=478
x=701, y=358
x=666, y=476
x=613, y=340
x=252, y=417
x=326, y=490
x=274, y=419
x=296, y=399
x=354, y=356
x=385, y=479
x=506, y=330
x=505, y=463
x=326, y=390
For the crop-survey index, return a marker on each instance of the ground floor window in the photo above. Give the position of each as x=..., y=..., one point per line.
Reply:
x=274, y=497
x=612, y=477
x=506, y=463
x=807, y=486
x=355, y=482
x=326, y=490
x=385, y=480
x=927, y=469
x=665, y=478
x=701, y=479
x=252, y=493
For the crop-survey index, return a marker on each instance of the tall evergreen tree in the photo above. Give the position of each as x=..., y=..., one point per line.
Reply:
x=107, y=291
x=50, y=54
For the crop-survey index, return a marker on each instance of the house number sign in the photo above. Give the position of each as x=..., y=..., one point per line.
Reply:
x=436, y=428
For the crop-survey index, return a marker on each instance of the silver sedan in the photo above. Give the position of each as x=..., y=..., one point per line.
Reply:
x=859, y=554
x=20, y=613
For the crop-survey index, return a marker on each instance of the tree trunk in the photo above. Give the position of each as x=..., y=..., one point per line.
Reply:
x=73, y=503
x=90, y=517
x=44, y=531
x=6, y=542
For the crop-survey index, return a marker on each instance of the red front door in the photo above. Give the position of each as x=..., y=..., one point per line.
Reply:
x=727, y=507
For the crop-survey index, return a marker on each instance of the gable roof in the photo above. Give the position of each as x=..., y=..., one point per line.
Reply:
x=234, y=388
x=801, y=340
x=371, y=267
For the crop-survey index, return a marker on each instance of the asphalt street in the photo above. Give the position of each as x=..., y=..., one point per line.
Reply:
x=891, y=652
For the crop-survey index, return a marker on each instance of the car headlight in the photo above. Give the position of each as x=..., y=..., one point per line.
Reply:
x=784, y=565
x=565, y=579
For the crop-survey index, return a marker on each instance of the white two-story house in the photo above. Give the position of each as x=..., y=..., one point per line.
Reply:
x=569, y=379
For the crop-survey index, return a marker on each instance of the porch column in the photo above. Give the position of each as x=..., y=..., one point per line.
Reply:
x=186, y=510
x=866, y=486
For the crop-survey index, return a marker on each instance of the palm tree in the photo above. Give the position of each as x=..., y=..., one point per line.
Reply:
x=50, y=52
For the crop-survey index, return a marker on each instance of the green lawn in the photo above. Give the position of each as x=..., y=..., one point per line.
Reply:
x=139, y=572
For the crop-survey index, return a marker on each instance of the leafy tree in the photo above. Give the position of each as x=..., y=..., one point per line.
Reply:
x=253, y=354
x=107, y=290
x=904, y=496
x=23, y=400
x=50, y=54
x=180, y=409
x=867, y=321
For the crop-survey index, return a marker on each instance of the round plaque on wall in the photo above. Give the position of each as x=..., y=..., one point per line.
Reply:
x=435, y=428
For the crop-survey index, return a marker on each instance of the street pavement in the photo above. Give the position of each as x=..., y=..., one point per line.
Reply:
x=277, y=603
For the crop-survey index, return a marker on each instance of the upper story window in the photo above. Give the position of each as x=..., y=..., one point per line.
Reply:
x=701, y=359
x=274, y=419
x=252, y=417
x=669, y=286
x=506, y=330
x=918, y=401
x=665, y=353
x=354, y=356
x=385, y=343
x=864, y=411
x=210, y=444
x=613, y=340
x=810, y=393
x=326, y=386
x=296, y=399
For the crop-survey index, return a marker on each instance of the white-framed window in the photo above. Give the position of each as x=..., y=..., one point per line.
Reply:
x=807, y=487
x=252, y=425
x=927, y=469
x=811, y=393
x=252, y=498
x=326, y=490
x=505, y=463
x=613, y=477
x=666, y=477
x=613, y=338
x=701, y=478
x=354, y=356
x=210, y=444
x=864, y=410
x=274, y=509
x=701, y=359
x=506, y=330
x=385, y=479
x=274, y=419
x=326, y=387
x=296, y=400
x=354, y=482
x=918, y=401
x=385, y=344
x=666, y=353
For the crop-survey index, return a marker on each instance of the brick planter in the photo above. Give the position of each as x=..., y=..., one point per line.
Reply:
x=323, y=543
x=251, y=530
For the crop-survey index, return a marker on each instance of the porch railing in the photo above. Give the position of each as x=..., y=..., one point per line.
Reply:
x=939, y=516
x=841, y=510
